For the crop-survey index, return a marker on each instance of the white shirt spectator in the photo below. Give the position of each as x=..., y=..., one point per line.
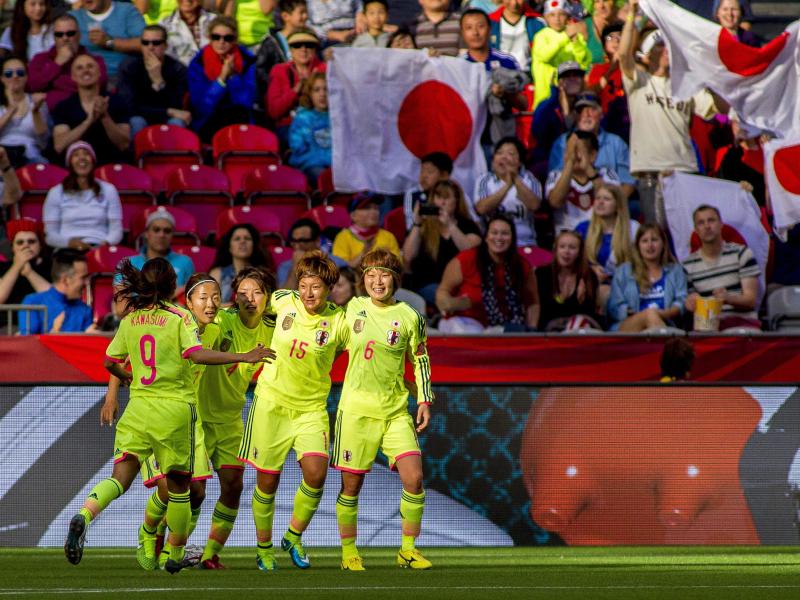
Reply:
x=37, y=42
x=511, y=206
x=181, y=44
x=21, y=132
x=514, y=40
x=580, y=199
x=93, y=218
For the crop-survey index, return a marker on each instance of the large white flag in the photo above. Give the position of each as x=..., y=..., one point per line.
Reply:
x=782, y=174
x=391, y=107
x=740, y=214
x=762, y=84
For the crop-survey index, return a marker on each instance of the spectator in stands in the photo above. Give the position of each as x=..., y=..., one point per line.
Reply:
x=23, y=117
x=113, y=29
x=286, y=79
x=187, y=30
x=153, y=86
x=612, y=151
x=376, y=13
x=240, y=247
x=743, y=160
x=729, y=14
x=10, y=193
x=722, y=270
x=51, y=71
x=605, y=80
x=402, y=39
x=304, y=236
x=608, y=236
x=571, y=191
x=222, y=81
x=91, y=115
x=490, y=287
x=562, y=40
x=82, y=211
x=310, y=131
x=433, y=168
x=648, y=292
x=567, y=287
x=255, y=20
x=31, y=30
x=333, y=21
x=345, y=288
x=660, y=139
x=159, y=227
x=66, y=312
x=601, y=14
x=438, y=28
x=437, y=237
x=555, y=115
x=154, y=11
x=677, y=359
x=364, y=234
x=510, y=189
x=513, y=26
x=29, y=270
x=274, y=50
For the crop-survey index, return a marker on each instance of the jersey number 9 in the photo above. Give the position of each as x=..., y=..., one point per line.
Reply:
x=147, y=351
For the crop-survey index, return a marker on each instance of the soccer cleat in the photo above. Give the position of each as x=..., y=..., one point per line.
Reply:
x=297, y=553
x=412, y=559
x=76, y=538
x=354, y=563
x=266, y=562
x=211, y=563
x=173, y=566
x=146, y=551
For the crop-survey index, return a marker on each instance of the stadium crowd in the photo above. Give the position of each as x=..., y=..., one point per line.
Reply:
x=566, y=229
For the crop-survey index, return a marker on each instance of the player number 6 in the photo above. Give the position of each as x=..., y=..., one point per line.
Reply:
x=368, y=351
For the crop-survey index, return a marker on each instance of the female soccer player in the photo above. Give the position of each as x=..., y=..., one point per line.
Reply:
x=289, y=408
x=157, y=336
x=222, y=398
x=373, y=410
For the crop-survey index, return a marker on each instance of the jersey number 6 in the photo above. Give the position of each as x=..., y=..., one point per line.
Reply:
x=368, y=351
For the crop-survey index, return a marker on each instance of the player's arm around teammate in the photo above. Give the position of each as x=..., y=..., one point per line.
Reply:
x=373, y=413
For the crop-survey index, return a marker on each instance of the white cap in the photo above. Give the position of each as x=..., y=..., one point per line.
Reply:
x=554, y=5
x=649, y=42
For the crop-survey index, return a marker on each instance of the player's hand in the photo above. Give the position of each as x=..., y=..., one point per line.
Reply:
x=109, y=412
x=423, y=416
x=259, y=354
x=721, y=294
x=691, y=302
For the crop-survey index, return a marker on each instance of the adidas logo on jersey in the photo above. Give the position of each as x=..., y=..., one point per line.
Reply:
x=362, y=313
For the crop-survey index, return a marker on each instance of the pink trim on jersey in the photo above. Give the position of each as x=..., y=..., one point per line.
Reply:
x=153, y=480
x=203, y=478
x=124, y=456
x=119, y=361
x=325, y=456
x=174, y=311
x=425, y=403
x=259, y=469
x=403, y=455
x=191, y=350
x=349, y=470
x=237, y=467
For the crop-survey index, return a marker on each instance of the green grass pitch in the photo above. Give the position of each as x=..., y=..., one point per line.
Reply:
x=463, y=573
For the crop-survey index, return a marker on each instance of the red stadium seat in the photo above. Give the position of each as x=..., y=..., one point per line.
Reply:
x=326, y=216
x=101, y=289
x=135, y=188
x=536, y=257
x=202, y=256
x=282, y=189
x=161, y=148
x=104, y=259
x=185, y=225
x=280, y=254
x=201, y=190
x=395, y=222
x=267, y=222
x=238, y=149
x=328, y=193
x=35, y=181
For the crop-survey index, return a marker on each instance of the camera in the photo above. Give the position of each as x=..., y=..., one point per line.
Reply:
x=428, y=210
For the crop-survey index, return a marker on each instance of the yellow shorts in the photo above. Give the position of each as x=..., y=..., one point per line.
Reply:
x=272, y=430
x=222, y=443
x=151, y=472
x=359, y=438
x=162, y=428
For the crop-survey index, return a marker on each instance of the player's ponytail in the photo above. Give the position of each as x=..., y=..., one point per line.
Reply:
x=153, y=285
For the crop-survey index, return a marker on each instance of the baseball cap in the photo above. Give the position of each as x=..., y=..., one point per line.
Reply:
x=159, y=214
x=587, y=100
x=361, y=200
x=570, y=66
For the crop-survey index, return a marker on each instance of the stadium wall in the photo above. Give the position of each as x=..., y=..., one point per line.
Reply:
x=504, y=465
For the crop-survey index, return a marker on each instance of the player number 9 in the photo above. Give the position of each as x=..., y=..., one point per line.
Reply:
x=148, y=357
x=368, y=351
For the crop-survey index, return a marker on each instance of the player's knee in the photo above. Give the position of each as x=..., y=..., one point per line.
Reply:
x=413, y=485
x=197, y=495
x=232, y=489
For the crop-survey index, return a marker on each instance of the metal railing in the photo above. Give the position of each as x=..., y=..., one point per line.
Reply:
x=10, y=309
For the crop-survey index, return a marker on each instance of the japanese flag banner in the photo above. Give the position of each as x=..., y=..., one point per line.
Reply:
x=762, y=84
x=782, y=174
x=391, y=107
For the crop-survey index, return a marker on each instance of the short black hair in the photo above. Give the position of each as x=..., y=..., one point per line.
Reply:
x=402, y=31
x=615, y=27
x=440, y=160
x=368, y=2
x=64, y=262
x=514, y=141
x=677, y=358
x=315, y=230
x=288, y=6
x=473, y=11
x=703, y=207
x=589, y=136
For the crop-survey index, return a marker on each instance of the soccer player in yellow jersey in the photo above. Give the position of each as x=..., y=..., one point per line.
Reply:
x=373, y=410
x=158, y=337
x=289, y=408
x=222, y=399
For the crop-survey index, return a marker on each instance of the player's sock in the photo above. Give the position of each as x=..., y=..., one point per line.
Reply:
x=222, y=521
x=263, y=514
x=165, y=555
x=179, y=513
x=162, y=527
x=103, y=494
x=411, y=508
x=154, y=512
x=306, y=502
x=347, y=518
x=193, y=521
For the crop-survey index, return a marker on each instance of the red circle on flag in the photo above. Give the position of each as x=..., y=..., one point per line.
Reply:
x=745, y=60
x=785, y=162
x=434, y=118
x=729, y=234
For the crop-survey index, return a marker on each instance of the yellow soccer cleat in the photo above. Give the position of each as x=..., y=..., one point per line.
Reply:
x=354, y=563
x=412, y=559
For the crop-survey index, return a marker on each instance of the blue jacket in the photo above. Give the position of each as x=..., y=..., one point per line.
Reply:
x=209, y=96
x=613, y=154
x=310, y=139
x=533, y=24
x=625, y=291
x=77, y=314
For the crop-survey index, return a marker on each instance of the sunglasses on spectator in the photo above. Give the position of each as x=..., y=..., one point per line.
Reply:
x=228, y=37
x=70, y=33
x=152, y=42
x=166, y=230
x=309, y=45
x=12, y=72
x=25, y=242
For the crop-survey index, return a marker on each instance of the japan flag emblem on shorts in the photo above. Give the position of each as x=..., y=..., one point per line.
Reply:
x=392, y=337
x=348, y=456
x=322, y=338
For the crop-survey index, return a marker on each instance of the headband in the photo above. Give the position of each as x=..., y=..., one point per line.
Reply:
x=387, y=269
x=189, y=293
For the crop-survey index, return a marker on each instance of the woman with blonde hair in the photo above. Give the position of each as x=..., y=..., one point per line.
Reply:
x=442, y=228
x=607, y=235
x=649, y=291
